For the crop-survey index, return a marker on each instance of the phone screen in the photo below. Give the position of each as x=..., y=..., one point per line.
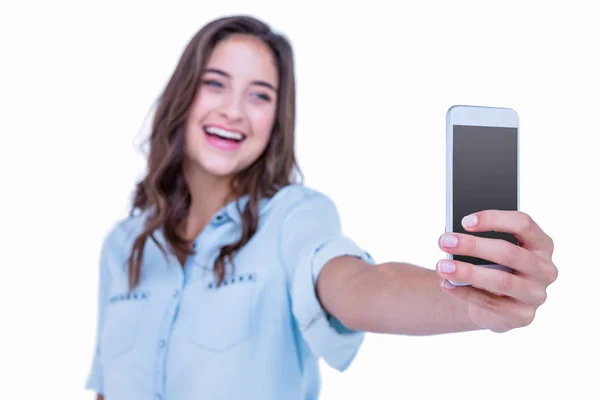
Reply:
x=485, y=176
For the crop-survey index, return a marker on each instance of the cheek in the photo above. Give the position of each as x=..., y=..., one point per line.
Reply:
x=199, y=109
x=262, y=124
x=202, y=106
x=193, y=127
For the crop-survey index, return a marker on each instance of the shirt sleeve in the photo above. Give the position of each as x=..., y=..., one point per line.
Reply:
x=95, y=378
x=311, y=237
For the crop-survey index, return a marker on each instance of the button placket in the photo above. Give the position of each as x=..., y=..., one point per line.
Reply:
x=165, y=331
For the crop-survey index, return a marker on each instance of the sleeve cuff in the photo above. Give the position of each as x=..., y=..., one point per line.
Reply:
x=94, y=381
x=325, y=335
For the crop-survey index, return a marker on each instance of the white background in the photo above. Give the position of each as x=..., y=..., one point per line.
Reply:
x=374, y=81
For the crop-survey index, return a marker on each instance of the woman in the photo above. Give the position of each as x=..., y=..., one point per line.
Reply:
x=230, y=279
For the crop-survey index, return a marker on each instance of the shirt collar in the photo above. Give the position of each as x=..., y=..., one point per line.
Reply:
x=226, y=214
x=230, y=211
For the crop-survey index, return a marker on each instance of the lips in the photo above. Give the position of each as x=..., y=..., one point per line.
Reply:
x=223, y=133
x=223, y=138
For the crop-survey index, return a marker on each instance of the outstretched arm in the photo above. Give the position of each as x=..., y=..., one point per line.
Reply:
x=392, y=298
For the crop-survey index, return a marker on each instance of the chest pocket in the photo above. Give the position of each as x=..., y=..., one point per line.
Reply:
x=225, y=318
x=121, y=324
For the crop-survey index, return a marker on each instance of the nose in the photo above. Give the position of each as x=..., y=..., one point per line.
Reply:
x=232, y=108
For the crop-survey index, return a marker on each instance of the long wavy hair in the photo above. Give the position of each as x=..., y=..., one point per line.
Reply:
x=165, y=193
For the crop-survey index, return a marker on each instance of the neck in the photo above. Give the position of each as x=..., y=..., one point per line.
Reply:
x=209, y=194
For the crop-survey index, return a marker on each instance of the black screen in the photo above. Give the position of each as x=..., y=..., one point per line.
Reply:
x=484, y=176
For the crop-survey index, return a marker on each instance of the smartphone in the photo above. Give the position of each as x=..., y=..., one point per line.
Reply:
x=482, y=169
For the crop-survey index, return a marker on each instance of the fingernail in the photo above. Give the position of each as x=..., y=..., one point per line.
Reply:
x=446, y=267
x=446, y=284
x=470, y=221
x=449, y=240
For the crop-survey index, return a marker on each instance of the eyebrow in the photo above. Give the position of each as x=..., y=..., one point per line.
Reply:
x=226, y=75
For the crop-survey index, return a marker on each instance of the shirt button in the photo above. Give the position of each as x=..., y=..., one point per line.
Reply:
x=218, y=220
x=158, y=397
x=161, y=343
x=175, y=292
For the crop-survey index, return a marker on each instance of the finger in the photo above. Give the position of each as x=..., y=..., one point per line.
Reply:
x=510, y=313
x=494, y=281
x=521, y=225
x=496, y=251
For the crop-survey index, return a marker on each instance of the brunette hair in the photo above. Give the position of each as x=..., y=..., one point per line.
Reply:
x=164, y=192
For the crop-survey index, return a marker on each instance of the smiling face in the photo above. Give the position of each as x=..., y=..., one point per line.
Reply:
x=231, y=119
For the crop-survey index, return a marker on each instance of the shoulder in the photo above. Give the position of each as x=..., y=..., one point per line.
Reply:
x=300, y=199
x=297, y=208
x=120, y=237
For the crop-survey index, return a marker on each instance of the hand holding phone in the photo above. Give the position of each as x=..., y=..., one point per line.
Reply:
x=503, y=280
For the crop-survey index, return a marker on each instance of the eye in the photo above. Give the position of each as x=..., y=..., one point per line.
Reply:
x=263, y=96
x=213, y=83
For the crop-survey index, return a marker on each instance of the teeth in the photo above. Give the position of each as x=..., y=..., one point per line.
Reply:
x=224, y=133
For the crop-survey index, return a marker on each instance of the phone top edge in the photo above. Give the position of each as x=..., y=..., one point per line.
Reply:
x=458, y=106
x=482, y=116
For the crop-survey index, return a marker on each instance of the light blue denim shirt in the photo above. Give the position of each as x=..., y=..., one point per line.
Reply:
x=259, y=336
